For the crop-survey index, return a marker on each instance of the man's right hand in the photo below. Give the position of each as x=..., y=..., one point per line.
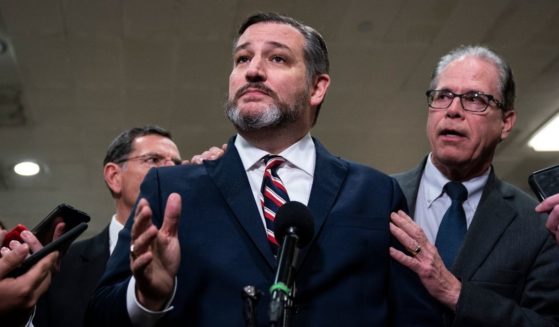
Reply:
x=155, y=253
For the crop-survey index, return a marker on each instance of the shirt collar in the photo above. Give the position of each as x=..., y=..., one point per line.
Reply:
x=301, y=154
x=114, y=228
x=436, y=181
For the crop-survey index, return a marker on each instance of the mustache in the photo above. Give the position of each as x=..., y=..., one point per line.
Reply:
x=255, y=86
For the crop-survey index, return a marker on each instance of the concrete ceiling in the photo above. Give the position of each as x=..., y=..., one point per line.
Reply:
x=83, y=71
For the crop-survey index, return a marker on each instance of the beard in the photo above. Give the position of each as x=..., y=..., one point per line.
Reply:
x=277, y=114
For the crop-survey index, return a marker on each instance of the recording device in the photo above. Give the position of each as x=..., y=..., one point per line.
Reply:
x=294, y=230
x=75, y=223
x=545, y=182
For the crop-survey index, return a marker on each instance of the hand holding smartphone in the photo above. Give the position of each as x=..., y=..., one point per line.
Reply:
x=75, y=222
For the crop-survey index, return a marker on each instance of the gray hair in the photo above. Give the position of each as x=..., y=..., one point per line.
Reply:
x=506, y=79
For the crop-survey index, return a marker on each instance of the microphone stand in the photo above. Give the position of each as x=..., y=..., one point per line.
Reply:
x=282, y=300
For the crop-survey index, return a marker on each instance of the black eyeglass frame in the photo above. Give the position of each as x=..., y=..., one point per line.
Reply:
x=146, y=157
x=498, y=104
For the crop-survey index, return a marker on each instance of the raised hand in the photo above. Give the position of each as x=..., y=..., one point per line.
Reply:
x=155, y=253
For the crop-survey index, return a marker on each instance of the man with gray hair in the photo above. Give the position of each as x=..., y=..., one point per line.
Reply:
x=475, y=241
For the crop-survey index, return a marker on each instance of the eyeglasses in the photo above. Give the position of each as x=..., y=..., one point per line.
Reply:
x=473, y=101
x=151, y=159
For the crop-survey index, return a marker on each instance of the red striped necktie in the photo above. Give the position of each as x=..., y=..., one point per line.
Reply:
x=274, y=195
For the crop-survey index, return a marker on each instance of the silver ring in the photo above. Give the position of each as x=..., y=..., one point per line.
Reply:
x=132, y=253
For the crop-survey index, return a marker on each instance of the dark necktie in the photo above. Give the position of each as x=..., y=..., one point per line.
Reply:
x=452, y=230
x=274, y=195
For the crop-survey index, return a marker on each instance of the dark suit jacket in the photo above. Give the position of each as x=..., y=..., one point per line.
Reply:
x=508, y=264
x=346, y=275
x=81, y=269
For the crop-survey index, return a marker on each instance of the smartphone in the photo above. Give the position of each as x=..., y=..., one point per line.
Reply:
x=44, y=231
x=60, y=244
x=545, y=182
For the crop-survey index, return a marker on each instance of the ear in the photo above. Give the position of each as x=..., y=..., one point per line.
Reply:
x=319, y=88
x=113, y=177
x=509, y=119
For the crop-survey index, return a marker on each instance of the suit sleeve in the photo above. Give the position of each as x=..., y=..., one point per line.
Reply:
x=539, y=305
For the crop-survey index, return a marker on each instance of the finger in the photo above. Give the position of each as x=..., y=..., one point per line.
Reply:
x=216, y=152
x=58, y=230
x=29, y=238
x=406, y=240
x=12, y=259
x=196, y=159
x=552, y=222
x=224, y=146
x=143, y=230
x=172, y=214
x=405, y=222
x=185, y=162
x=404, y=259
x=142, y=219
x=548, y=204
x=139, y=264
x=14, y=244
x=143, y=242
x=401, y=219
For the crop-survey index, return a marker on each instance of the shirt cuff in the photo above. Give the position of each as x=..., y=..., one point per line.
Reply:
x=141, y=316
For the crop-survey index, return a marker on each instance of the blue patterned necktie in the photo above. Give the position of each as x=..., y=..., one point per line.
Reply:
x=452, y=230
x=274, y=195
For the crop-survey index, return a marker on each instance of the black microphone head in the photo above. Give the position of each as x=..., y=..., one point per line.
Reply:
x=297, y=215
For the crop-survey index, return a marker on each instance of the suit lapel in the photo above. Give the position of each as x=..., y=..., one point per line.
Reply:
x=230, y=178
x=329, y=175
x=409, y=183
x=490, y=221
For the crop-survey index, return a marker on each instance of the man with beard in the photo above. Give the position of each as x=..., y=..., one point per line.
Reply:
x=201, y=233
x=488, y=258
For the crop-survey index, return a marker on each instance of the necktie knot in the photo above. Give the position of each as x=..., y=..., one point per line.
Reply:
x=456, y=191
x=273, y=161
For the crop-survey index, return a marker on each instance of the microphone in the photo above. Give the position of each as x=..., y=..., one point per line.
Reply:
x=294, y=230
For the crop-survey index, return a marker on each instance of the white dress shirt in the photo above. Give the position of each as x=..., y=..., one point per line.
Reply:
x=432, y=203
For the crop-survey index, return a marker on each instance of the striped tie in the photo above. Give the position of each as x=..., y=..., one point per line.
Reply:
x=274, y=195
